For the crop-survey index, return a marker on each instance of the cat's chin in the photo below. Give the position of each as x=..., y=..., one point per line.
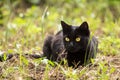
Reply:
x=73, y=51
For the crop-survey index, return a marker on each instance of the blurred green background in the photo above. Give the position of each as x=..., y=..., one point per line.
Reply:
x=25, y=23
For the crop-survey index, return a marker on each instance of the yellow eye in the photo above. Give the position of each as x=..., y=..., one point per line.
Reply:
x=67, y=39
x=77, y=39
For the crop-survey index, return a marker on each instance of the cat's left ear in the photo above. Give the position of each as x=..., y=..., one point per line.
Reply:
x=65, y=26
x=84, y=29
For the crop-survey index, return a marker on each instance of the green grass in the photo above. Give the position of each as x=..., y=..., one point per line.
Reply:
x=24, y=29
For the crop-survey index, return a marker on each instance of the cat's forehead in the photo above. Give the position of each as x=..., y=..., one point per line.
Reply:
x=73, y=28
x=73, y=31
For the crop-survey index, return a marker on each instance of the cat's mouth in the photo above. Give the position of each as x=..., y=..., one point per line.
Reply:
x=73, y=50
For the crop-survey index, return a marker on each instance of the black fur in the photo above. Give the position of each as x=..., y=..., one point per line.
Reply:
x=78, y=53
x=54, y=47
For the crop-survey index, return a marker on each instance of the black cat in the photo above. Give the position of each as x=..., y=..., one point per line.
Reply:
x=73, y=43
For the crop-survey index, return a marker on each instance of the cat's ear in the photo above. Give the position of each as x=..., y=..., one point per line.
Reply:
x=65, y=26
x=84, y=29
x=84, y=26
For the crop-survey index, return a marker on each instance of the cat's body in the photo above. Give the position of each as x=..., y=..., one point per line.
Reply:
x=73, y=43
x=54, y=47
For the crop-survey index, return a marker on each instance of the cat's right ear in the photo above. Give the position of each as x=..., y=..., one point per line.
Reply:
x=84, y=29
x=65, y=26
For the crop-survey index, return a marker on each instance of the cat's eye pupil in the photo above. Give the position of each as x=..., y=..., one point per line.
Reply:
x=67, y=39
x=77, y=39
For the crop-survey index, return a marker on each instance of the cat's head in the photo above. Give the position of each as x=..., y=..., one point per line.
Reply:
x=75, y=37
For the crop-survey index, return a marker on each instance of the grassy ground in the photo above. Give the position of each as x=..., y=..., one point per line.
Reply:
x=23, y=29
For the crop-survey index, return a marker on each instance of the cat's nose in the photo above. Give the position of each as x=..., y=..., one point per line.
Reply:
x=71, y=43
